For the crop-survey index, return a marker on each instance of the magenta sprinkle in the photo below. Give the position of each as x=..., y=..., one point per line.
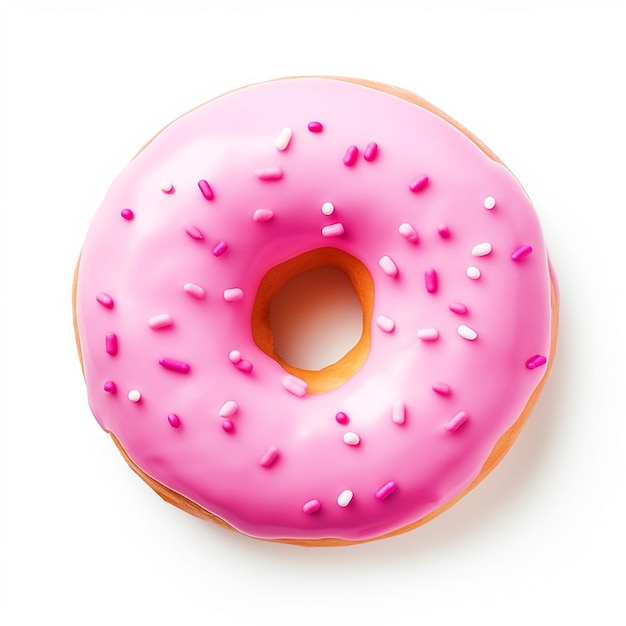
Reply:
x=312, y=506
x=105, y=300
x=371, y=151
x=174, y=420
x=127, y=214
x=315, y=127
x=206, y=190
x=220, y=248
x=444, y=231
x=175, y=366
x=109, y=386
x=342, y=418
x=271, y=454
x=536, y=361
x=521, y=252
x=111, y=344
x=458, y=307
x=418, y=184
x=228, y=426
x=386, y=490
x=350, y=156
x=442, y=389
x=244, y=366
x=430, y=280
x=194, y=233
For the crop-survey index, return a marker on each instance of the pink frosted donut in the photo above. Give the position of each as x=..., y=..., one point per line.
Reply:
x=232, y=200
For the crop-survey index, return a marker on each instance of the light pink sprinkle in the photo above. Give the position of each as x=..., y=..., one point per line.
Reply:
x=127, y=214
x=444, y=231
x=457, y=421
x=194, y=233
x=194, y=290
x=408, y=232
x=536, y=361
x=333, y=230
x=350, y=156
x=521, y=252
x=228, y=409
x=328, y=208
x=371, y=151
x=428, y=334
x=228, y=426
x=175, y=366
x=233, y=295
x=385, y=323
x=342, y=418
x=111, y=344
x=458, y=307
x=206, y=190
x=398, y=413
x=105, y=300
x=310, y=507
x=166, y=186
x=388, y=266
x=430, y=280
x=134, y=395
x=417, y=184
x=295, y=386
x=234, y=356
x=174, y=420
x=109, y=386
x=244, y=366
x=262, y=215
x=269, y=173
x=351, y=439
x=220, y=248
x=163, y=320
x=386, y=490
x=282, y=141
x=467, y=333
x=442, y=389
x=489, y=203
x=315, y=127
x=271, y=454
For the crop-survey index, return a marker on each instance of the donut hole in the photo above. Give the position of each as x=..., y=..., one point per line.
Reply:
x=312, y=315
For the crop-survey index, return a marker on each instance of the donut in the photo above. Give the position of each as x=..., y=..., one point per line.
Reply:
x=195, y=238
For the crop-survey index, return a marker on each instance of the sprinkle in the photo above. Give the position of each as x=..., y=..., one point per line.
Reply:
x=481, y=249
x=166, y=186
x=234, y=356
x=457, y=421
x=536, y=361
x=105, y=300
x=111, y=344
x=473, y=272
x=442, y=389
x=315, y=127
x=109, y=386
x=342, y=418
x=134, y=395
x=444, y=231
x=388, y=266
x=521, y=252
x=283, y=139
x=344, y=498
x=220, y=248
x=228, y=409
x=174, y=420
x=262, y=215
x=458, y=307
x=385, y=323
x=352, y=439
x=328, y=208
x=386, y=490
x=295, y=386
x=194, y=290
x=333, y=230
x=206, y=190
x=408, y=232
x=175, y=366
x=350, y=156
x=417, y=184
x=244, y=366
x=163, y=320
x=430, y=280
x=271, y=454
x=311, y=506
x=127, y=214
x=467, y=333
x=398, y=413
x=489, y=203
x=428, y=334
x=228, y=426
x=371, y=151
x=233, y=295
x=194, y=233
x=269, y=173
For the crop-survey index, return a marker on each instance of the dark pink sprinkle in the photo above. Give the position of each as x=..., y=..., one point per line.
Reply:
x=206, y=190
x=350, y=156
x=444, y=231
x=371, y=151
x=174, y=420
x=315, y=127
x=312, y=506
x=111, y=344
x=418, y=183
x=442, y=389
x=194, y=233
x=458, y=307
x=228, y=426
x=342, y=418
x=220, y=248
x=109, y=386
x=386, y=490
x=175, y=366
x=105, y=300
x=269, y=173
x=430, y=280
x=127, y=214
x=536, y=361
x=244, y=366
x=521, y=252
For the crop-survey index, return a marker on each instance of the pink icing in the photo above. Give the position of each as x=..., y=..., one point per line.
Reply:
x=278, y=465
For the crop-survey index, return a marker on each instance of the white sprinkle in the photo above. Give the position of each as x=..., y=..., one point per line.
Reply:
x=489, y=203
x=295, y=386
x=234, y=356
x=481, y=249
x=428, y=334
x=194, y=290
x=262, y=215
x=233, y=295
x=473, y=272
x=344, y=498
x=283, y=139
x=328, y=208
x=467, y=333
x=388, y=266
x=160, y=321
x=134, y=395
x=398, y=413
x=352, y=439
x=333, y=230
x=408, y=232
x=385, y=323
x=166, y=186
x=228, y=409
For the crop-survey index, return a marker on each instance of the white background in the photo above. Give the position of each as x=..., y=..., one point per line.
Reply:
x=541, y=540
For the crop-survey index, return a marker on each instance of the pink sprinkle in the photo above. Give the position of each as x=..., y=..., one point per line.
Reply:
x=163, y=320
x=385, y=323
x=457, y=421
x=428, y=334
x=458, y=307
x=105, y=300
x=521, y=252
x=206, y=190
x=295, y=386
x=233, y=295
x=194, y=290
x=408, y=232
x=244, y=366
x=442, y=389
x=111, y=344
x=175, y=366
x=312, y=506
x=418, y=184
x=444, y=231
x=371, y=151
x=194, y=233
x=315, y=127
x=109, y=386
x=342, y=418
x=127, y=214
x=388, y=266
x=262, y=215
x=220, y=248
x=398, y=413
x=430, y=279
x=271, y=454
x=536, y=361
x=234, y=356
x=174, y=420
x=228, y=426
x=333, y=230
x=269, y=173
x=386, y=490
x=350, y=156
x=228, y=409
x=166, y=186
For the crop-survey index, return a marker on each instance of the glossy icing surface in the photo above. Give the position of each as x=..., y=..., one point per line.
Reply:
x=168, y=276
